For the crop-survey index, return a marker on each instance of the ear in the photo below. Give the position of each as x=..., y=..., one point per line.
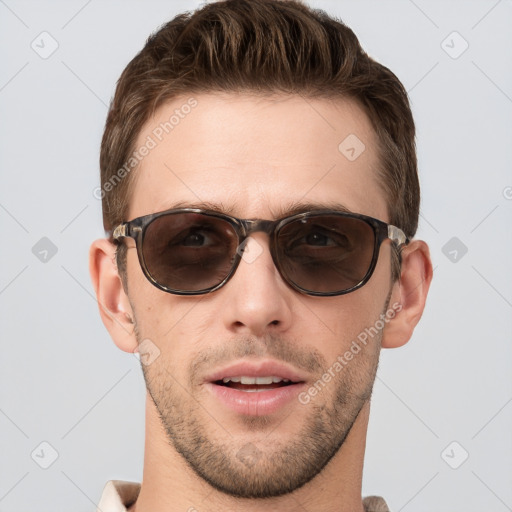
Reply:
x=114, y=306
x=410, y=292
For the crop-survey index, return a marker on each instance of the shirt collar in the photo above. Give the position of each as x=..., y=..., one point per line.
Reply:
x=117, y=496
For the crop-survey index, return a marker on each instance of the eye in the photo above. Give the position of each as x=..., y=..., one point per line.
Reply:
x=196, y=239
x=319, y=239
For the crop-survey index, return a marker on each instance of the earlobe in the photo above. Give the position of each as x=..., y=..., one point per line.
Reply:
x=114, y=306
x=410, y=291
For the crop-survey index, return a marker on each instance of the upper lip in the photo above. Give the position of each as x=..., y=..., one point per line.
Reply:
x=256, y=369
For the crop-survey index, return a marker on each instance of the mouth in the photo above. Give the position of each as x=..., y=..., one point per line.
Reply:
x=255, y=388
x=254, y=384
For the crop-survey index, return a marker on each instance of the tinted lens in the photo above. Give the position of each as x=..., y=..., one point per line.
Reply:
x=189, y=251
x=326, y=253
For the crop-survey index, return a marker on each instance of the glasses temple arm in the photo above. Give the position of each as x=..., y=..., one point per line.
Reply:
x=397, y=235
x=119, y=232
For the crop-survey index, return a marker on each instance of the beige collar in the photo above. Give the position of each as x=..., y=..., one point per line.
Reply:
x=118, y=495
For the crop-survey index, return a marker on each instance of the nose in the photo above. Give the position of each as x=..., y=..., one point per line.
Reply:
x=257, y=300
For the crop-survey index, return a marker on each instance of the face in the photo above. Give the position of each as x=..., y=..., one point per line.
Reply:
x=258, y=158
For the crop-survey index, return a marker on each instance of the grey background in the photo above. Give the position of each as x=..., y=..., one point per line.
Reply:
x=65, y=383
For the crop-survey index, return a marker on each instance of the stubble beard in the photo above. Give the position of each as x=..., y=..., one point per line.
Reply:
x=260, y=465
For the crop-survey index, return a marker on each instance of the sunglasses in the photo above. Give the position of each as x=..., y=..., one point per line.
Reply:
x=191, y=251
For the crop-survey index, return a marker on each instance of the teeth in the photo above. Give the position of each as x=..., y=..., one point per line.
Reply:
x=254, y=380
x=232, y=379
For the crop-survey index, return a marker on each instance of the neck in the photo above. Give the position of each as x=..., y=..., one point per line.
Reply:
x=170, y=485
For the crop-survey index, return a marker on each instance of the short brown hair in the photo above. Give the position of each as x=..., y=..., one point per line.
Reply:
x=262, y=47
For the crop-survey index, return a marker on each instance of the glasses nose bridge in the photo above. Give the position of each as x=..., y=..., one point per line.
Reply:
x=258, y=225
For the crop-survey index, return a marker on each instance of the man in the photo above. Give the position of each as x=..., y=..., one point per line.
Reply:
x=260, y=192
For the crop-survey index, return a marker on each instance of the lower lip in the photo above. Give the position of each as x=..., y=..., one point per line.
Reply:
x=257, y=403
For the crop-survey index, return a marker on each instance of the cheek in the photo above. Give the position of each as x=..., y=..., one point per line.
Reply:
x=138, y=284
x=341, y=321
x=154, y=310
x=174, y=324
x=381, y=278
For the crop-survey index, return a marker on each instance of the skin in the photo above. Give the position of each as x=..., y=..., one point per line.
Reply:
x=252, y=157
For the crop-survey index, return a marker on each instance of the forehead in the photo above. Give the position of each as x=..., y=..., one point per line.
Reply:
x=253, y=156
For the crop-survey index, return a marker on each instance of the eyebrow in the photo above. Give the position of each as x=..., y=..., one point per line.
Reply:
x=286, y=210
